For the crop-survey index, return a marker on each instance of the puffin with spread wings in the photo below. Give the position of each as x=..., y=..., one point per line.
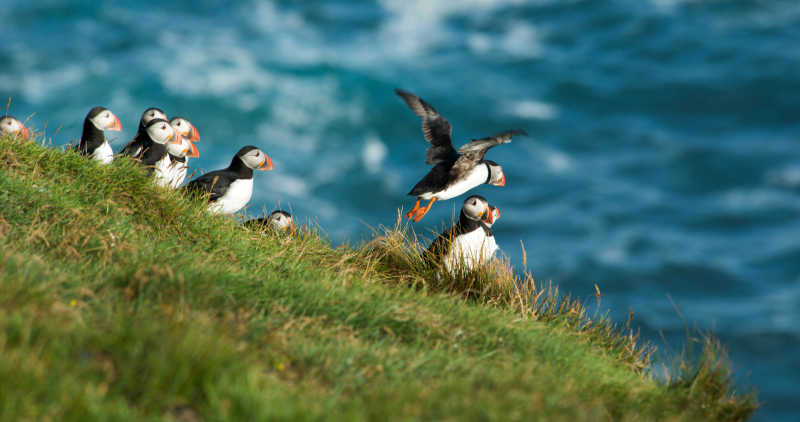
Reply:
x=454, y=171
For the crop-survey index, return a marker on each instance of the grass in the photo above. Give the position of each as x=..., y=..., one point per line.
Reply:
x=120, y=300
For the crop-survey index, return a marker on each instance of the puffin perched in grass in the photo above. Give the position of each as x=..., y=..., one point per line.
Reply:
x=230, y=189
x=470, y=242
x=93, y=142
x=11, y=127
x=279, y=221
x=454, y=171
x=174, y=173
x=134, y=147
x=153, y=154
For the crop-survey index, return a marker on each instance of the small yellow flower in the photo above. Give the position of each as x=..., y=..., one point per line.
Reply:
x=280, y=367
x=73, y=303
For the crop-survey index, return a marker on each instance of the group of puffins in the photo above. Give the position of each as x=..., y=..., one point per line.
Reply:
x=163, y=147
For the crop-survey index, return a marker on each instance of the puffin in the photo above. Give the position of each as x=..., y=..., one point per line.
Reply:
x=134, y=147
x=93, y=143
x=279, y=221
x=230, y=189
x=11, y=127
x=470, y=242
x=153, y=154
x=454, y=171
x=179, y=153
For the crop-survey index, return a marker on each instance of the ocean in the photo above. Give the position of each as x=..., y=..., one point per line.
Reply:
x=663, y=162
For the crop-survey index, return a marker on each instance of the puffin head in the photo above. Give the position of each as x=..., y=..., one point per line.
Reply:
x=186, y=128
x=187, y=133
x=150, y=114
x=255, y=158
x=103, y=119
x=281, y=221
x=161, y=132
x=10, y=126
x=477, y=208
x=496, y=175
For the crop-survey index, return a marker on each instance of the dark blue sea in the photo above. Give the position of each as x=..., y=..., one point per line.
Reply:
x=663, y=159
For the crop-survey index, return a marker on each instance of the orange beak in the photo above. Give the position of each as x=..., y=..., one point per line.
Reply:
x=24, y=132
x=490, y=214
x=195, y=134
x=175, y=138
x=194, y=153
x=117, y=125
x=267, y=164
x=502, y=181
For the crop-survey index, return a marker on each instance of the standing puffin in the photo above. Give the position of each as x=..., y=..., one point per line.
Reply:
x=278, y=221
x=154, y=146
x=93, y=142
x=134, y=147
x=230, y=189
x=454, y=172
x=179, y=153
x=11, y=127
x=470, y=242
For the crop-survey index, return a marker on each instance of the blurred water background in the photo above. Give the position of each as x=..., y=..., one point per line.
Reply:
x=664, y=156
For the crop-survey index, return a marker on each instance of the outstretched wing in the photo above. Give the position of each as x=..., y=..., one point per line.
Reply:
x=472, y=152
x=435, y=127
x=216, y=183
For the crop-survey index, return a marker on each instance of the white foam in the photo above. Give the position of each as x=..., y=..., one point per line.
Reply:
x=373, y=154
x=521, y=40
x=533, y=109
x=789, y=177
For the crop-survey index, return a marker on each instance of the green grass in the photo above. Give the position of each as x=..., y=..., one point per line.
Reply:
x=119, y=300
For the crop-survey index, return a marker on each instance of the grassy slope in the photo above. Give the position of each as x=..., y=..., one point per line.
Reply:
x=119, y=300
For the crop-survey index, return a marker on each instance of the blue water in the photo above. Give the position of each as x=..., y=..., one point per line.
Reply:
x=664, y=156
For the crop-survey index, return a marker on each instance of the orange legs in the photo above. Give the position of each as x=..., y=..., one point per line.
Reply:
x=421, y=212
x=414, y=210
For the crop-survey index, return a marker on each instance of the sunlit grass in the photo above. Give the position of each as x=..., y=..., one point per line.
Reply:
x=121, y=300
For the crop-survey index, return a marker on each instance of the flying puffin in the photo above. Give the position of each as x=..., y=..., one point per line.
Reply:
x=93, y=142
x=134, y=147
x=454, y=172
x=230, y=189
x=179, y=153
x=470, y=242
x=278, y=221
x=11, y=127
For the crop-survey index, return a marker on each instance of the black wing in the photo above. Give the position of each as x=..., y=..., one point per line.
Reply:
x=435, y=127
x=133, y=148
x=440, y=246
x=473, y=152
x=216, y=183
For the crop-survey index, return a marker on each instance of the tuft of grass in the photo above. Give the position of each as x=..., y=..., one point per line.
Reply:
x=122, y=300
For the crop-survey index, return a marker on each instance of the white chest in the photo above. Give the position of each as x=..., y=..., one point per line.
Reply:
x=104, y=154
x=469, y=251
x=476, y=177
x=177, y=173
x=235, y=198
x=162, y=171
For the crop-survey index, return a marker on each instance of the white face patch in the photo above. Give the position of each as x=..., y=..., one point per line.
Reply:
x=182, y=126
x=10, y=126
x=475, y=207
x=161, y=133
x=254, y=158
x=104, y=120
x=279, y=221
x=151, y=114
